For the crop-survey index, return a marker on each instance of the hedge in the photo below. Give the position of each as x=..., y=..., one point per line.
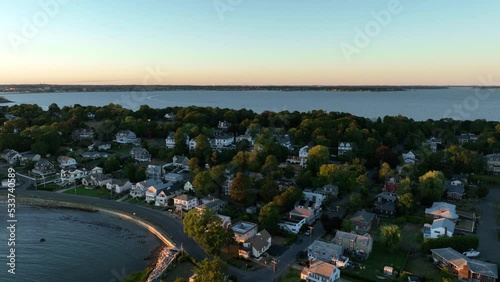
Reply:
x=459, y=243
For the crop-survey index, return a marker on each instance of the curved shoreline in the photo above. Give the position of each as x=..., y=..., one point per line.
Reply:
x=84, y=207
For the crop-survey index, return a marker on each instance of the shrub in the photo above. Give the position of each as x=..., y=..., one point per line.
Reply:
x=459, y=243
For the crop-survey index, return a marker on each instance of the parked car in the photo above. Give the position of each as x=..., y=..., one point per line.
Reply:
x=307, y=233
x=471, y=253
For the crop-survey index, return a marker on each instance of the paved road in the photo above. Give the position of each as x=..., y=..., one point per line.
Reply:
x=489, y=245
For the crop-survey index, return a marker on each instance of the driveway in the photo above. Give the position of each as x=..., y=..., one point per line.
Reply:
x=488, y=226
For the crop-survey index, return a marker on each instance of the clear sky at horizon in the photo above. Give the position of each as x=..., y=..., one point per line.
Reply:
x=252, y=42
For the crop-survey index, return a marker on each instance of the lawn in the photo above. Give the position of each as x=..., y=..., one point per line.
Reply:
x=411, y=237
x=184, y=270
x=292, y=275
x=373, y=267
x=132, y=200
x=422, y=266
x=82, y=191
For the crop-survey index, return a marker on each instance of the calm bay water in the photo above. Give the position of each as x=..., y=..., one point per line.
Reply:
x=80, y=246
x=461, y=103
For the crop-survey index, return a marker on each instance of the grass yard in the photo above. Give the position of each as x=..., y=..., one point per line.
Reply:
x=292, y=275
x=132, y=200
x=184, y=270
x=411, y=237
x=373, y=267
x=82, y=191
x=423, y=267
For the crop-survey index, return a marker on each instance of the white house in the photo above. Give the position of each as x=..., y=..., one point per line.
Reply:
x=188, y=186
x=119, y=186
x=30, y=157
x=96, y=179
x=155, y=189
x=432, y=143
x=11, y=156
x=409, y=158
x=257, y=245
x=139, y=189
x=223, y=140
x=70, y=175
x=169, y=116
x=320, y=271
x=140, y=154
x=225, y=220
x=126, y=137
x=104, y=146
x=153, y=171
x=292, y=223
x=185, y=202
x=161, y=199
x=223, y=124
x=180, y=162
x=344, y=147
x=65, y=161
x=244, y=230
x=170, y=140
x=245, y=137
x=44, y=167
x=303, y=155
x=439, y=227
x=314, y=196
x=192, y=144
x=307, y=210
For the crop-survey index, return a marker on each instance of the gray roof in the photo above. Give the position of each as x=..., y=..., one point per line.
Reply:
x=363, y=217
x=444, y=223
x=324, y=251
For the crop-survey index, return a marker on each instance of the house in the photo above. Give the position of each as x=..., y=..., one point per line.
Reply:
x=192, y=144
x=493, y=163
x=352, y=242
x=126, y=137
x=140, y=154
x=225, y=220
x=71, y=175
x=465, y=268
x=223, y=140
x=303, y=155
x=466, y=138
x=328, y=189
x=387, y=197
x=170, y=140
x=29, y=157
x=119, y=186
x=344, y=147
x=173, y=177
x=257, y=245
x=185, y=202
x=155, y=189
x=97, y=179
x=306, y=209
x=223, y=125
x=409, y=158
x=211, y=203
x=391, y=183
x=292, y=223
x=44, y=167
x=161, y=200
x=245, y=137
x=11, y=156
x=385, y=209
x=362, y=221
x=104, y=146
x=180, y=162
x=94, y=155
x=83, y=134
x=188, y=186
x=454, y=189
x=91, y=116
x=442, y=210
x=65, y=161
x=153, y=171
x=327, y=252
x=244, y=230
x=320, y=271
x=169, y=115
x=439, y=227
x=284, y=140
x=139, y=189
x=433, y=143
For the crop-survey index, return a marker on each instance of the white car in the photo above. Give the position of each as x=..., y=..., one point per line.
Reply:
x=471, y=253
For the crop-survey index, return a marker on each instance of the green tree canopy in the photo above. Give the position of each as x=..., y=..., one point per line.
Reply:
x=431, y=187
x=390, y=236
x=269, y=216
x=214, y=270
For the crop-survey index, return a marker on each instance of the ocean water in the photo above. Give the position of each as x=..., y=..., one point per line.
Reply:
x=460, y=103
x=80, y=246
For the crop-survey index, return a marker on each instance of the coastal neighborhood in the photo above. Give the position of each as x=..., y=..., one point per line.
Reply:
x=295, y=196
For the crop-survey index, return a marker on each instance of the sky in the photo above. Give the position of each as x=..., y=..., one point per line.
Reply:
x=250, y=42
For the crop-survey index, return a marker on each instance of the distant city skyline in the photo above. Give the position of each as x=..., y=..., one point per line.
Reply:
x=243, y=42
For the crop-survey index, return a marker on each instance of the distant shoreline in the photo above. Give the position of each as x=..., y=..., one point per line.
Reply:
x=39, y=89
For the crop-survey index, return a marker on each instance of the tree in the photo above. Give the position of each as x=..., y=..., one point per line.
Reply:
x=206, y=228
x=240, y=186
x=214, y=270
x=204, y=184
x=385, y=170
x=194, y=165
x=390, y=236
x=356, y=201
x=180, y=147
x=330, y=223
x=203, y=150
x=405, y=202
x=287, y=199
x=318, y=155
x=111, y=165
x=268, y=189
x=431, y=187
x=269, y=217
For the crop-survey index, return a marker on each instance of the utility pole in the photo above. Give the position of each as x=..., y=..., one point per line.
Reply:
x=310, y=234
x=274, y=267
